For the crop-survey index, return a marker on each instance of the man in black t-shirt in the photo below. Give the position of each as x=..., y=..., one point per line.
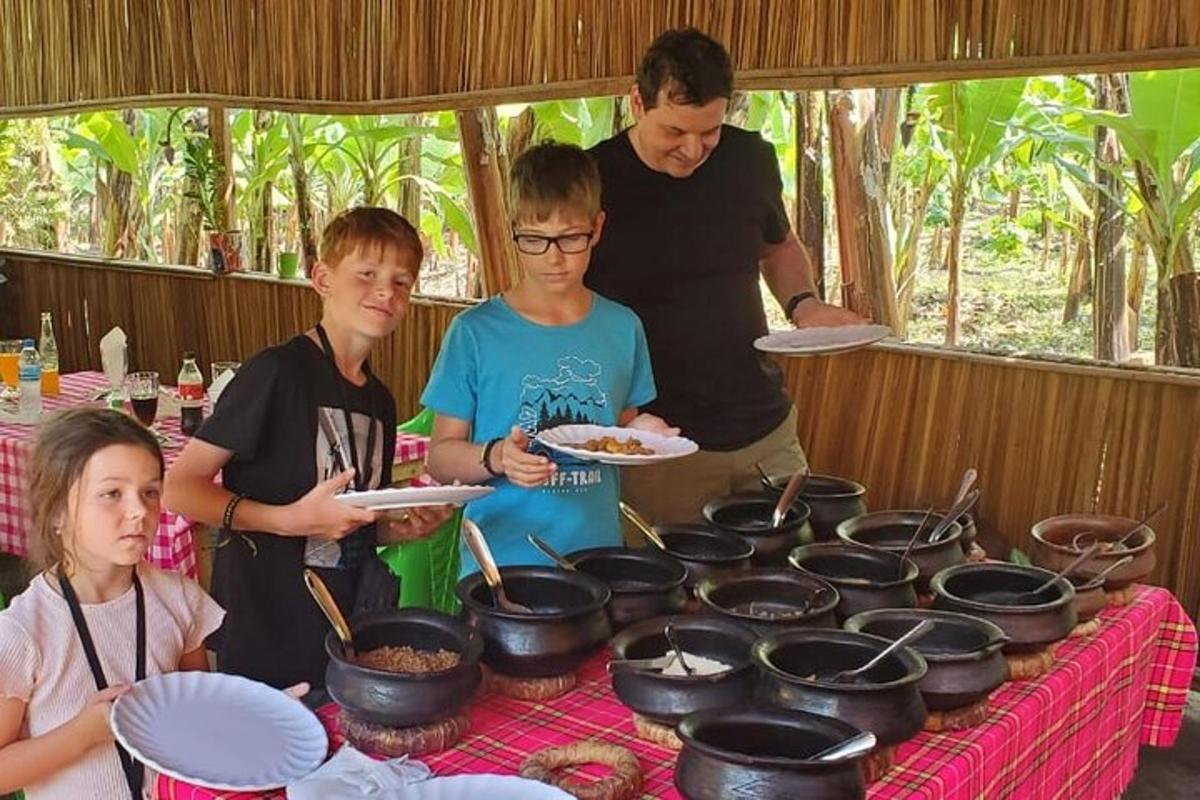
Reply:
x=694, y=215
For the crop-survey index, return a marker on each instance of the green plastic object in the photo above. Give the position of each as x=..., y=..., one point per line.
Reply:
x=3, y=602
x=427, y=569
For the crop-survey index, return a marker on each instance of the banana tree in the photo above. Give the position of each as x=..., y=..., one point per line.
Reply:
x=1161, y=135
x=918, y=167
x=973, y=117
x=107, y=137
x=1160, y=139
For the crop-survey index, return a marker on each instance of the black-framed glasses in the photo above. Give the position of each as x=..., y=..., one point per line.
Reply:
x=532, y=244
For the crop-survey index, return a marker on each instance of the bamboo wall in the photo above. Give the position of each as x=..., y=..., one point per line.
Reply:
x=165, y=311
x=1046, y=438
x=906, y=421
x=380, y=55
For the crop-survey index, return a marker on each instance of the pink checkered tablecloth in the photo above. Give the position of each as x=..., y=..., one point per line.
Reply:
x=172, y=547
x=410, y=447
x=1072, y=734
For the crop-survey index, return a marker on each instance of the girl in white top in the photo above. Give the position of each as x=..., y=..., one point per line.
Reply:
x=98, y=615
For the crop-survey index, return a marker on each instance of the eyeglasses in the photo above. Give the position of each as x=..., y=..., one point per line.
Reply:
x=532, y=244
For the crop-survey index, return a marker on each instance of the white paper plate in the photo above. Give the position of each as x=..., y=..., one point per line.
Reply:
x=411, y=496
x=664, y=447
x=219, y=731
x=817, y=341
x=489, y=787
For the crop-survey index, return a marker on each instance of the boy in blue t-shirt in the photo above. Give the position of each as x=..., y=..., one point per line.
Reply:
x=548, y=352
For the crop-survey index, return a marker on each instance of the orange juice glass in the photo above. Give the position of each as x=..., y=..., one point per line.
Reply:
x=10, y=361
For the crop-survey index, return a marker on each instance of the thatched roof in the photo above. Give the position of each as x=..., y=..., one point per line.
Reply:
x=382, y=55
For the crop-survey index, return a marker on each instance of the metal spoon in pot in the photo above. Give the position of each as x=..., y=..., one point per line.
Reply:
x=324, y=598
x=1102, y=574
x=642, y=525
x=1075, y=562
x=919, y=630
x=863, y=742
x=550, y=552
x=764, y=478
x=669, y=633
x=961, y=507
x=794, y=486
x=911, y=542
x=487, y=565
x=1078, y=539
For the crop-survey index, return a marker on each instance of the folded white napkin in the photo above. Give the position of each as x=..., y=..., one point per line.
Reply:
x=351, y=774
x=113, y=357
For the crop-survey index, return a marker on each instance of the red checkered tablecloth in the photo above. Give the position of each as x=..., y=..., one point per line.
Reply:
x=172, y=547
x=1072, y=734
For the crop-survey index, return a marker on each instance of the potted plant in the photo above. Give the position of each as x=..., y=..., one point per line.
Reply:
x=205, y=177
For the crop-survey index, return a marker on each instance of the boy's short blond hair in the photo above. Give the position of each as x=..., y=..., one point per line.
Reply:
x=550, y=177
x=368, y=227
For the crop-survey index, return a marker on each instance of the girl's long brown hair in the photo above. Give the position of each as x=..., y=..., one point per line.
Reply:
x=67, y=442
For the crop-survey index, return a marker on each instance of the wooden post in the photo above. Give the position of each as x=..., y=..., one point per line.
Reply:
x=868, y=283
x=218, y=127
x=479, y=135
x=810, y=196
x=1110, y=311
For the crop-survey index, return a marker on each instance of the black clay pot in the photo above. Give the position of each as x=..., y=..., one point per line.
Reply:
x=749, y=516
x=770, y=599
x=398, y=699
x=985, y=590
x=668, y=698
x=963, y=653
x=888, y=703
x=865, y=578
x=892, y=530
x=568, y=625
x=830, y=500
x=705, y=551
x=760, y=753
x=645, y=583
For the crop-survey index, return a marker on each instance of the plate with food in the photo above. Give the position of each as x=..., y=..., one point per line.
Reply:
x=612, y=445
x=823, y=340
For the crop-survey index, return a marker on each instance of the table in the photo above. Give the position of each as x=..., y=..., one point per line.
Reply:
x=172, y=547
x=1074, y=733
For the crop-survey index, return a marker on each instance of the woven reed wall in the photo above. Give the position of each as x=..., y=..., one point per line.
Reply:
x=165, y=312
x=405, y=54
x=1046, y=439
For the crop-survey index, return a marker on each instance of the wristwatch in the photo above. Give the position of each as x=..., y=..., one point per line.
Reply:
x=485, y=457
x=796, y=300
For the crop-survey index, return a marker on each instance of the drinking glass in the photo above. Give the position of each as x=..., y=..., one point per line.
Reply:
x=10, y=361
x=143, y=395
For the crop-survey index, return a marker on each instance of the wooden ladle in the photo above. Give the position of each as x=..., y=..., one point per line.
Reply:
x=324, y=598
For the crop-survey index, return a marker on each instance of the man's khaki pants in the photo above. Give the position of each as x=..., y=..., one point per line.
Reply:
x=676, y=490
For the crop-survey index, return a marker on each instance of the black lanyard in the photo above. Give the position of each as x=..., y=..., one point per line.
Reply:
x=362, y=471
x=133, y=771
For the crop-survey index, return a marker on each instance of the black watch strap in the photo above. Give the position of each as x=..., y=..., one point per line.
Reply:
x=486, y=458
x=796, y=300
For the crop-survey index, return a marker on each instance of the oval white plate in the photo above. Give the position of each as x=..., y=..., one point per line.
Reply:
x=411, y=496
x=492, y=787
x=664, y=447
x=219, y=731
x=817, y=341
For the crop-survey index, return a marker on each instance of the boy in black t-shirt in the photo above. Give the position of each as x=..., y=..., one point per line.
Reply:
x=301, y=422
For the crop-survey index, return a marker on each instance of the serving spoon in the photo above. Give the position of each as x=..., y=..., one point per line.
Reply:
x=794, y=486
x=487, y=565
x=642, y=525
x=324, y=598
x=550, y=552
x=918, y=630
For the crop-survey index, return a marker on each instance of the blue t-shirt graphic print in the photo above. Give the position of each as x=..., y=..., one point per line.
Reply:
x=497, y=369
